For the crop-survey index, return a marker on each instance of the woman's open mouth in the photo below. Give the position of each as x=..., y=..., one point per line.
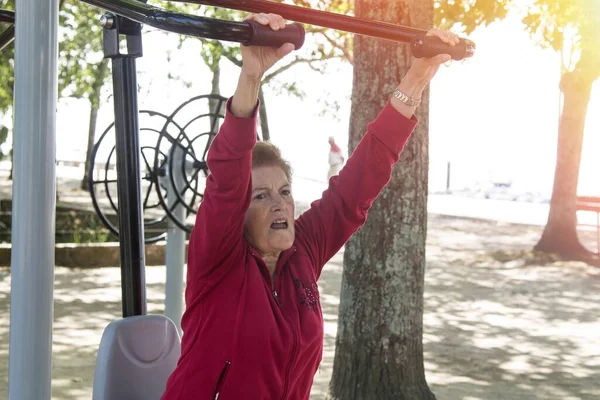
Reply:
x=279, y=224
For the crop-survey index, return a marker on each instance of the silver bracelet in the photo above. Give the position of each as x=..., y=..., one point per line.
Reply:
x=409, y=101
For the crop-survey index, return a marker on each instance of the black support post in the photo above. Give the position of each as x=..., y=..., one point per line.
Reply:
x=131, y=225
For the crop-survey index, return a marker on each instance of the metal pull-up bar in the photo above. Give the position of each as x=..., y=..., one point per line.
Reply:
x=421, y=46
x=232, y=31
x=256, y=34
x=249, y=34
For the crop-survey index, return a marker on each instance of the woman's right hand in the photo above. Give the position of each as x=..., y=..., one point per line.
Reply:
x=256, y=60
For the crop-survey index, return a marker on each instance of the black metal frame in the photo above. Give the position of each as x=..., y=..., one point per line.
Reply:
x=177, y=22
x=7, y=16
x=8, y=35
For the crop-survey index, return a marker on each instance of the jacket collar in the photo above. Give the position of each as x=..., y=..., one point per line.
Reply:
x=283, y=257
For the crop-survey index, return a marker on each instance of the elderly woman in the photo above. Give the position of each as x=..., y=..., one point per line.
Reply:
x=253, y=327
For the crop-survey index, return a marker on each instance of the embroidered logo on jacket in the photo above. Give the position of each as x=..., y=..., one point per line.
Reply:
x=308, y=294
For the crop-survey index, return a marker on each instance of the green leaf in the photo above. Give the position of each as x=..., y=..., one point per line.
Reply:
x=550, y=23
x=321, y=44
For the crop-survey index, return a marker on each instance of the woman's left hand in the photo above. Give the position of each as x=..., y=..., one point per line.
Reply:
x=423, y=70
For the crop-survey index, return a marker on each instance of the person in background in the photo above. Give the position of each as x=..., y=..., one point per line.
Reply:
x=336, y=158
x=253, y=324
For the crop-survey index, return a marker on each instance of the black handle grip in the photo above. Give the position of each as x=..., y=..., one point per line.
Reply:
x=429, y=46
x=263, y=35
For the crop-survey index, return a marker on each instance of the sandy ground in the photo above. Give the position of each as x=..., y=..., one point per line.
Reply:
x=495, y=326
x=499, y=323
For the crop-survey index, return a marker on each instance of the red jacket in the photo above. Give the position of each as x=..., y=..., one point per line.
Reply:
x=242, y=340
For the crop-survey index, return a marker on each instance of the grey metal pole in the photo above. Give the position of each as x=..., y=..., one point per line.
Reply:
x=175, y=251
x=34, y=201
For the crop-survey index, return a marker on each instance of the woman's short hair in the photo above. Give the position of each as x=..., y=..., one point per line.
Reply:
x=266, y=154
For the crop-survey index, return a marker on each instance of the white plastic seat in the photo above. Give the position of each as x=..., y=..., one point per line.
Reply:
x=135, y=358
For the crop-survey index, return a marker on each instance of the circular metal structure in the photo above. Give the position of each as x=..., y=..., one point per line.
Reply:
x=186, y=168
x=156, y=138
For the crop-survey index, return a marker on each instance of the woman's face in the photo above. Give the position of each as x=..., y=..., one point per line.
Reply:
x=269, y=223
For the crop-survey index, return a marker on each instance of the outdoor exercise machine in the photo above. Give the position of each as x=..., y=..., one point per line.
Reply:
x=34, y=185
x=168, y=182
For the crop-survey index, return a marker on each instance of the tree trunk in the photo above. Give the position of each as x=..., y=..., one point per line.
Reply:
x=262, y=113
x=94, y=98
x=560, y=233
x=94, y=107
x=379, y=348
x=10, y=176
x=216, y=89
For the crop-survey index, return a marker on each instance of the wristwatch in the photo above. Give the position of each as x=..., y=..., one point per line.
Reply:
x=409, y=101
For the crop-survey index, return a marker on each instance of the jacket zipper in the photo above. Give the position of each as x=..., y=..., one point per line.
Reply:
x=295, y=339
x=221, y=380
x=294, y=345
x=276, y=298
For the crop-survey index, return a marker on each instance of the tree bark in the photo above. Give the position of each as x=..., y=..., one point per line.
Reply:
x=379, y=348
x=216, y=89
x=94, y=107
x=10, y=175
x=262, y=114
x=94, y=99
x=560, y=233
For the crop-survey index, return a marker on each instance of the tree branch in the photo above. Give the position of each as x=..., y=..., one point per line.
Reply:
x=278, y=71
x=343, y=49
x=228, y=55
x=314, y=67
x=232, y=58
